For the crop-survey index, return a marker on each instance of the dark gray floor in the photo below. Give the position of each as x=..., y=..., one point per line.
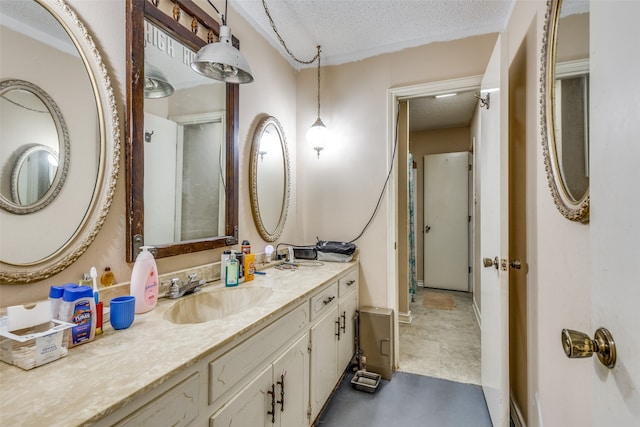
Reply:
x=408, y=400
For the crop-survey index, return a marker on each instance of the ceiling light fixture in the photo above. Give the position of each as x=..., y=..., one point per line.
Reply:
x=445, y=95
x=221, y=60
x=156, y=84
x=318, y=134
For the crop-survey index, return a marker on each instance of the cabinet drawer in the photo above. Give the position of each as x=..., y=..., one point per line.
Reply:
x=176, y=407
x=227, y=371
x=325, y=299
x=348, y=282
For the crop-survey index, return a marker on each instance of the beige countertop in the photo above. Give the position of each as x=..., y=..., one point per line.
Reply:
x=98, y=378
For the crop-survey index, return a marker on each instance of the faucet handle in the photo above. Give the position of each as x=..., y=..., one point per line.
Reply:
x=192, y=277
x=174, y=289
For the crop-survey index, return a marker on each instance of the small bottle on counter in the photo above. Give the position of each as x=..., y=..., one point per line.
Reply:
x=86, y=280
x=232, y=269
x=78, y=306
x=144, y=281
x=223, y=264
x=245, y=248
x=55, y=296
x=107, y=278
x=249, y=267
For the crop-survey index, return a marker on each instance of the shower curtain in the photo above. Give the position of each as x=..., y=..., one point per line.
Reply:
x=413, y=279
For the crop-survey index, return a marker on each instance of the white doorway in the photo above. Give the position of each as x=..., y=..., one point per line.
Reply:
x=446, y=219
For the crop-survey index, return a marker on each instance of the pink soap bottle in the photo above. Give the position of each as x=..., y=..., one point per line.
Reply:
x=144, y=281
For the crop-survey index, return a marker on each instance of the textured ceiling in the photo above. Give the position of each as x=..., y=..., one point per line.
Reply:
x=352, y=30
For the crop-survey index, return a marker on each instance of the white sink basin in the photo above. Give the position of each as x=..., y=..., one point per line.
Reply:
x=214, y=305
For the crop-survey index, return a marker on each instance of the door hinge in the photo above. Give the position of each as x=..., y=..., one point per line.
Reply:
x=469, y=218
x=469, y=269
x=309, y=346
x=309, y=411
x=470, y=167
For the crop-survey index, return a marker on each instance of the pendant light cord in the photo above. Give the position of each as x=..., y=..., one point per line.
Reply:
x=318, y=55
x=286, y=48
x=284, y=45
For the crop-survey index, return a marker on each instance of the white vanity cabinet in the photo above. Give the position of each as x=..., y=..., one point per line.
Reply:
x=279, y=374
x=332, y=337
x=278, y=396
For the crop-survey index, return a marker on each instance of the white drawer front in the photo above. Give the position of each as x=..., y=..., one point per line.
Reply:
x=176, y=407
x=228, y=370
x=325, y=299
x=348, y=283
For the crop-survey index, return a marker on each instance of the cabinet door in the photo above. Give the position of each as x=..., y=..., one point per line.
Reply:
x=250, y=406
x=324, y=361
x=291, y=377
x=346, y=344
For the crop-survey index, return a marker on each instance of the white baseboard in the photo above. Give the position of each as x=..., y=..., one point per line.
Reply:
x=476, y=312
x=516, y=414
x=405, y=317
x=421, y=283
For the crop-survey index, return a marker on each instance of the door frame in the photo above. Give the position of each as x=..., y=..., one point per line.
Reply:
x=394, y=95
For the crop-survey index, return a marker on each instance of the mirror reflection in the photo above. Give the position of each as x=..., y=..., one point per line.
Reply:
x=33, y=134
x=59, y=139
x=184, y=150
x=182, y=193
x=33, y=174
x=565, y=106
x=571, y=98
x=269, y=174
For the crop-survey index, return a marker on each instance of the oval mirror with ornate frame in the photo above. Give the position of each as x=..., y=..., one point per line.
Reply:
x=164, y=28
x=269, y=178
x=40, y=169
x=39, y=244
x=565, y=106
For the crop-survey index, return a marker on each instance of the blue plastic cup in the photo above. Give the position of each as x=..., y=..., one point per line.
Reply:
x=122, y=311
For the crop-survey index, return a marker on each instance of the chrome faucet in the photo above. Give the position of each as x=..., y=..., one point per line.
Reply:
x=178, y=289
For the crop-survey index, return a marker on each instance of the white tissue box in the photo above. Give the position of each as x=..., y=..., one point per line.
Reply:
x=33, y=344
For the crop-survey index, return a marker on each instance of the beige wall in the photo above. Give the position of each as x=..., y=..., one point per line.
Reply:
x=421, y=144
x=338, y=192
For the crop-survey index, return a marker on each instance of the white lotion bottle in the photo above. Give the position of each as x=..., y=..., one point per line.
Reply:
x=144, y=281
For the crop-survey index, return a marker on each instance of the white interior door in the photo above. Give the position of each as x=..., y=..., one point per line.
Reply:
x=446, y=254
x=615, y=201
x=494, y=239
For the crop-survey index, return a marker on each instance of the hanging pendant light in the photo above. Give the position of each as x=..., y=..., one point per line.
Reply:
x=156, y=84
x=221, y=60
x=318, y=134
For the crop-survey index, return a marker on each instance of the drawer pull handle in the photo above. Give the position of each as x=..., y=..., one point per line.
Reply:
x=281, y=384
x=272, y=412
x=344, y=322
x=327, y=300
x=351, y=282
x=338, y=324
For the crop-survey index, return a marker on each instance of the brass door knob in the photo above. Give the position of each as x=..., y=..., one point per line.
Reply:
x=488, y=262
x=578, y=345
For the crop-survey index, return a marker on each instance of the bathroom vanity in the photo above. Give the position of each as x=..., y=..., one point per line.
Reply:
x=274, y=362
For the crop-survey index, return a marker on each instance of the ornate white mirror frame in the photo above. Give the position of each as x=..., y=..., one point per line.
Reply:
x=107, y=150
x=574, y=208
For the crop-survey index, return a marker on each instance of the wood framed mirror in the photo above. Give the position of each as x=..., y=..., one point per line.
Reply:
x=163, y=211
x=565, y=106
